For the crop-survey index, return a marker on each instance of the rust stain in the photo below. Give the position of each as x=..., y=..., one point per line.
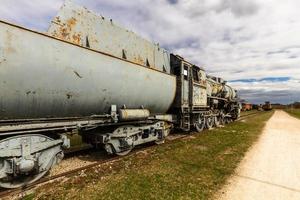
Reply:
x=76, y=38
x=96, y=41
x=66, y=31
x=55, y=37
x=57, y=19
x=71, y=22
x=8, y=43
x=139, y=60
x=148, y=77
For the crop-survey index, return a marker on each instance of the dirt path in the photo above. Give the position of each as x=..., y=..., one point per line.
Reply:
x=271, y=169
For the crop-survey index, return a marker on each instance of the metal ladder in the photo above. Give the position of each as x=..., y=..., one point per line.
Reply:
x=186, y=125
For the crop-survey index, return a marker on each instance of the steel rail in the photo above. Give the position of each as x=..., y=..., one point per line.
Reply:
x=248, y=115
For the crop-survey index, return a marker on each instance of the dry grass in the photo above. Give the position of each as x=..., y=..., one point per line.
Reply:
x=294, y=112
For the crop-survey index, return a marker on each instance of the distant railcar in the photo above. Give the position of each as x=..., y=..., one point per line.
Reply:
x=267, y=106
x=246, y=106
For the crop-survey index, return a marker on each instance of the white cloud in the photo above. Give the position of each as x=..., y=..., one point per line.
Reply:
x=234, y=39
x=34, y=14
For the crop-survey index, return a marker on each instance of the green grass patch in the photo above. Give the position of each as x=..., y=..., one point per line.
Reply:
x=29, y=197
x=192, y=168
x=294, y=112
x=249, y=112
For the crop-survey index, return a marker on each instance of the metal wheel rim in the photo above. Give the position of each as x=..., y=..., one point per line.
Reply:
x=160, y=141
x=222, y=120
x=226, y=120
x=209, y=122
x=27, y=180
x=217, y=121
x=124, y=153
x=200, y=124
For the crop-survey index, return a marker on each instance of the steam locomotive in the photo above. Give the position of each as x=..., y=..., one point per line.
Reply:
x=91, y=77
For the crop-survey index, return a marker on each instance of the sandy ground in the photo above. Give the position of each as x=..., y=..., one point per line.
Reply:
x=271, y=169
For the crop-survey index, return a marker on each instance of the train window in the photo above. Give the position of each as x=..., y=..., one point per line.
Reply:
x=176, y=71
x=185, y=72
x=195, y=75
x=200, y=75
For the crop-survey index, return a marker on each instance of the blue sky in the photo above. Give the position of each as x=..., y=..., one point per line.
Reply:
x=266, y=79
x=254, y=44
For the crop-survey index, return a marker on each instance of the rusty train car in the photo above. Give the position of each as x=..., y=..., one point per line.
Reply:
x=246, y=106
x=91, y=77
x=267, y=106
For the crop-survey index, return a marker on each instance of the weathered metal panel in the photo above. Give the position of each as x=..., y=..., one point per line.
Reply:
x=185, y=92
x=80, y=26
x=199, y=90
x=43, y=77
x=214, y=88
x=229, y=93
x=199, y=96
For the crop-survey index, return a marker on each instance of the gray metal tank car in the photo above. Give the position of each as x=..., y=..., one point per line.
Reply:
x=41, y=76
x=52, y=86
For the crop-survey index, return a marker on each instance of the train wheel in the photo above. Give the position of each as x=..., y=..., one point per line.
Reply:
x=200, y=124
x=162, y=140
x=209, y=122
x=128, y=149
x=221, y=118
x=24, y=160
x=159, y=142
x=124, y=153
x=229, y=120
x=24, y=180
x=217, y=121
x=226, y=120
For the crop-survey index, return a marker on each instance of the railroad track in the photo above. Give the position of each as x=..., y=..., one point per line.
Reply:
x=249, y=115
x=20, y=192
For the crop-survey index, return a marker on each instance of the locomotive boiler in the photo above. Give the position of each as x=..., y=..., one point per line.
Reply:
x=89, y=76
